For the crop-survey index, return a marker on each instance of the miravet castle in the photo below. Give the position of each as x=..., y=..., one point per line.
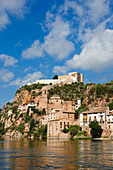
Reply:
x=68, y=79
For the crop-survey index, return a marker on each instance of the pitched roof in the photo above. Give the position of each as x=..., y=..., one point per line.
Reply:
x=96, y=110
x=61, y=119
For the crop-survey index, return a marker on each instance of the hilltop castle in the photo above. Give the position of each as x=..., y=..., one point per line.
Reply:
x=68, y=79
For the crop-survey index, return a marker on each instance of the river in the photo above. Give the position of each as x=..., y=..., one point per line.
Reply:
x=56, y=154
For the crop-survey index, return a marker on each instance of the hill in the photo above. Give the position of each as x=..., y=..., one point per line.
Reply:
x=15, y=121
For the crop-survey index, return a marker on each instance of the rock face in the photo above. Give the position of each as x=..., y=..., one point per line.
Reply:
x=111, y=136
x=13, y=134
x=23, y=97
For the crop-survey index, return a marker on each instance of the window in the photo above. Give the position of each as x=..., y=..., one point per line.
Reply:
x=60, y=124
x=68, y=124
x=101, y=119
x=64, y=124
x=89, y=119
x=95, y=118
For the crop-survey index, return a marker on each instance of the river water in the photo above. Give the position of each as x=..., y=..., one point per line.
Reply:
x=56, y=154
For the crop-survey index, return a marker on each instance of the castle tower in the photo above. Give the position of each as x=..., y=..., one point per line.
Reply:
x=81, y=78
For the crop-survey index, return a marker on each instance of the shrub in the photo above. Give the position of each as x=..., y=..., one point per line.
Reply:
x=2, y=130
x=21, y=128
x=65, y=130
x=55, y=77
x=74, y=129
x=14, y=109
x=27, y=118
x=76, y=114
x=32, y=125
x=84, y=133
x=107, y=99
x=96, y=130
x=110, y=106
x=43, y=131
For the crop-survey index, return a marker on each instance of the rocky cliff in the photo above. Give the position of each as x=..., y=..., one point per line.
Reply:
x=14, y=122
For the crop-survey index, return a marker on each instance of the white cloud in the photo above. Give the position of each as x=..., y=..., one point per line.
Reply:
x=5, y=75
x=77, y=8
x=34, y=51
x=96, y=15
x=11, y=7
x=56, y=43
x=29, y=69
x=98, y=9
x=96, y=55
x=60, y=69
x=87, y=14
x=8, y=60
x=29, y=78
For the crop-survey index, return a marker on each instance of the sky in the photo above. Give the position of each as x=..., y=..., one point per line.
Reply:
x=40, y=38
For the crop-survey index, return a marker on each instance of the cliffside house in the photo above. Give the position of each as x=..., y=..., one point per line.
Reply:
x=98, y=113
x=110, y=121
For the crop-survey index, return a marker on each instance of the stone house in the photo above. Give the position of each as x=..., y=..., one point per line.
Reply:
x=55, y=127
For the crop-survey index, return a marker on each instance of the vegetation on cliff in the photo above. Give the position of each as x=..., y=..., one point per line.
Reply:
x=68, y=91
x=91, y=95
x=30, y=87
x=27, y=119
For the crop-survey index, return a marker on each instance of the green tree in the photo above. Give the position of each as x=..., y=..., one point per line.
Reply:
x=76, y=114
x=110, y=106
x=21, y=128
x=43, y=131
x=32, y=125
x=2, y=130
x=65, y=130
x=55, y=77
x=96, y=130
x=74, y=129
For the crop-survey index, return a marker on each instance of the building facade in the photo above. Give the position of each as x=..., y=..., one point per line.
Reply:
x=96, y=114
x=55, y=127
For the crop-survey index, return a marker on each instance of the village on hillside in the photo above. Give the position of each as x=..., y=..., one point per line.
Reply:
x=42, y=106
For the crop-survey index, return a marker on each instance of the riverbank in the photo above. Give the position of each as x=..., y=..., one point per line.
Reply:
x=85, y=138
x=102, y=139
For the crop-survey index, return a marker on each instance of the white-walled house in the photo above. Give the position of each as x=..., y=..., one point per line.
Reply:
x=110, y=121
x=110, y=117
x=23, y=108
x=98, y=113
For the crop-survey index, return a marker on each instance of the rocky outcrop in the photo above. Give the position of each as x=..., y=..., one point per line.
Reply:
x=23, y=97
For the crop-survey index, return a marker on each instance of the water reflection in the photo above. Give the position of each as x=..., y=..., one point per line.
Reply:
x=56, y=154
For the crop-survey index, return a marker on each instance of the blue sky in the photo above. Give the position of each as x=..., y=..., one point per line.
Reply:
x=40, y=38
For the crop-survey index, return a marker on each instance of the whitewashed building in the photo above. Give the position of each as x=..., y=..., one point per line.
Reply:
x=110, y=121
x=98, y=113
